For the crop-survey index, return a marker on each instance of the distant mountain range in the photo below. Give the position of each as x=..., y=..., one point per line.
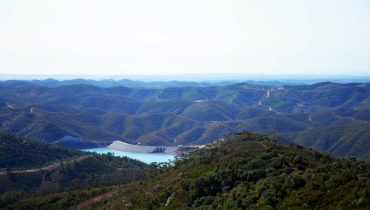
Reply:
x=147, y=84
x=326, y=116
x=113, y=83
x=194, y=78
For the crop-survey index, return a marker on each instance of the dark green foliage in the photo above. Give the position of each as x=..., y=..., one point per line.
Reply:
x=17, y=152
x=63, y=200
x=33, y=168
x=121, y=162
x=248, y=171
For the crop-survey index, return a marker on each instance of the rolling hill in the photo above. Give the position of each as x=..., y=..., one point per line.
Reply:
x=245, y=171
x=29, y=168
x=16, y=152
x=81, y=115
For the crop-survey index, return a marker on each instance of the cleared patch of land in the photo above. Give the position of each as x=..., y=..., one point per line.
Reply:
x=122, y=146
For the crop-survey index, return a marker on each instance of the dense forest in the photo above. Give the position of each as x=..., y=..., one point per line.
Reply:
x=18, y=152
x=30, y=168
x=245, y=171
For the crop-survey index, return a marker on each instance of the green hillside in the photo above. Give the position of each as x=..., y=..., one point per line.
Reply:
x=344, y=140
x=17, y=152
x=29, y=168
x=246, y=171
x=250, y=172
x=81, y=116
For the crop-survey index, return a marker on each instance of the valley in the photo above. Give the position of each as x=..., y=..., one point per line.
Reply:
x=29, y=168
x=86, y=116
x=184, y=105
x=245, y=170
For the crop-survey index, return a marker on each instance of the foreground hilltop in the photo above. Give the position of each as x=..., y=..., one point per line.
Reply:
x=245, y=171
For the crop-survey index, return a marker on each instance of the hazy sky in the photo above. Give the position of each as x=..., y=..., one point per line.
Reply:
x=185, y=36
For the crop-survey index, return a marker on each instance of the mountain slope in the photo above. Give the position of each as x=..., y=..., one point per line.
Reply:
x=250, y=172
x=246, y=171
x=345, y=140
x=28, y=168
x=16, y=152
x=81, y=115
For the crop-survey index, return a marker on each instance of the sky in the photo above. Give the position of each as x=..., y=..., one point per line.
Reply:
x=146, y=37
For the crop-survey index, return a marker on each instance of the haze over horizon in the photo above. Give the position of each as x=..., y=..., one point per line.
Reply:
x=305, y=78
x=185, y=37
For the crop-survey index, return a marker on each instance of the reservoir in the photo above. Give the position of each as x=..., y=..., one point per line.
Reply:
x=144, y=157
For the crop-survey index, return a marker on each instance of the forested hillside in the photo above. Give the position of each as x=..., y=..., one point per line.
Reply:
x=29, y=168
x=17, y=152
x=83, y=115
x=245, y=171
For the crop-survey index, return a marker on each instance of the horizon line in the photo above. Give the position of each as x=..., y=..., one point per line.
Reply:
x=200, y=77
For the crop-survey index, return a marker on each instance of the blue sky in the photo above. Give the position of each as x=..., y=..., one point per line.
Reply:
x=185, y=37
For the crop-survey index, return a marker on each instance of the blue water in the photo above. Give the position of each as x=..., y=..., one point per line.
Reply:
x=144, y=157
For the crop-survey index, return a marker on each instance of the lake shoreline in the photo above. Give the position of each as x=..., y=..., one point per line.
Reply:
x=141, y=156
x=125, y=147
